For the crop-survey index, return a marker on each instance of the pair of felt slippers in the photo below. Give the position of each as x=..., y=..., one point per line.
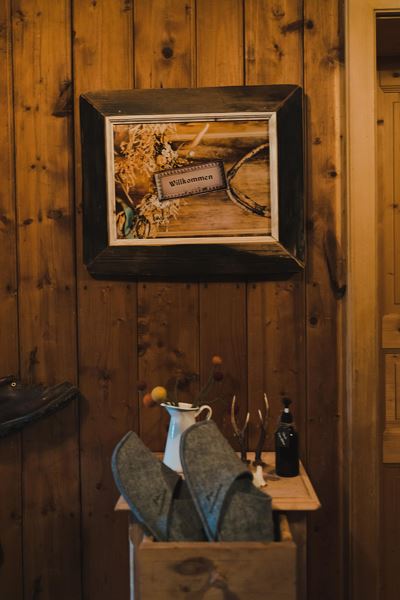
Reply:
x=216, y=500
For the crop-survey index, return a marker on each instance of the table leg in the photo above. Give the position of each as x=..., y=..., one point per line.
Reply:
x=135, y=538
x=298, y=527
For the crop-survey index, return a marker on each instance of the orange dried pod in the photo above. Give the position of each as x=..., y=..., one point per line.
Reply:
x=159, y=393
x=216, y=360
x=148, y=401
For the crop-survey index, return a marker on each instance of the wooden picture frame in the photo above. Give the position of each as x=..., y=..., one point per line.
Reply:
x=193, y=183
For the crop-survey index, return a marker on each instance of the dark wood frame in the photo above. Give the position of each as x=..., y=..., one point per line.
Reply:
x=284, y=250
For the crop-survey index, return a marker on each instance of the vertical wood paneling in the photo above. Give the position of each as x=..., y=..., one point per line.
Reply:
x=275, y=311
x=276, y=351
x=259, y=330
x=51, y=525
x=274, y=42
x=103, y=59
x=219, y=27
x=11, y=570
x=164, y=34
x=322, y=59
x=10, y=448
x=168, y=314
x=168, y=348
x=390, y=531
x=223, y=332
x=8, y=267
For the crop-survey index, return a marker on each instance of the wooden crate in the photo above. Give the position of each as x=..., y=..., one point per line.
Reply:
x=155, y=565
x=214, y=570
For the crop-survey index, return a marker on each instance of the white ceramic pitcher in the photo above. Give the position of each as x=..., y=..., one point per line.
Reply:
x=182, y=416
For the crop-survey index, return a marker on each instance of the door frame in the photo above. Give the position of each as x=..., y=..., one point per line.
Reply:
x=362, y=324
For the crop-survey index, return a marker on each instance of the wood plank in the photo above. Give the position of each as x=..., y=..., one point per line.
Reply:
x=164, y=55
x=391, y=331
x=238, y=569
x=223, y=333
x=323, y=59
x=11, y=555
x=276, y=352
x=390, y=531
x=391, y=434
x=103, y=51
x=388, y=157
x=395, y=204
x=274, y=42
x=298, y=528
x=219, y=32
x=275, y=311
x=51, y=515
x=168, y=313
x=10, y=448
x=168, y=349
x=8, y=261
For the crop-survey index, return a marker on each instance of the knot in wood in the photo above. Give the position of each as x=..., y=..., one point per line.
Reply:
x=167, y=52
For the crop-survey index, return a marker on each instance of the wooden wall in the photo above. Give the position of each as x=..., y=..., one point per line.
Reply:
x=59, y=536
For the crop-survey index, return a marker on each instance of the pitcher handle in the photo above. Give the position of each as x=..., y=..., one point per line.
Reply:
x=205, y=407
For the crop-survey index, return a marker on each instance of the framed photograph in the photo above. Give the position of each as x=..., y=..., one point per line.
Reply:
x=199, y=183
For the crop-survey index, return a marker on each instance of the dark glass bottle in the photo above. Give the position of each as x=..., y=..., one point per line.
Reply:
x=286, y=444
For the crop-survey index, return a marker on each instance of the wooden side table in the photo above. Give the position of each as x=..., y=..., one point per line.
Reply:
x=293, y=496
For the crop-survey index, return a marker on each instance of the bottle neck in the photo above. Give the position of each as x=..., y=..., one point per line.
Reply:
x=286, y=425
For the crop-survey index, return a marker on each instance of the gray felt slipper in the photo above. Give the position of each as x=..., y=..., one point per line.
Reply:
x=230, y=506
x=157, y=495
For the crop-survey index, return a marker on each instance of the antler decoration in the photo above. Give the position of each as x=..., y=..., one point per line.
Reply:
x=240, y=433
x=263, y=432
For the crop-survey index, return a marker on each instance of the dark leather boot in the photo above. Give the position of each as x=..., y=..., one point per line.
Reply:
x=22, y=403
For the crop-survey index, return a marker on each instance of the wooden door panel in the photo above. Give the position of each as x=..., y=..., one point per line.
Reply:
x=389, y=217
x=396, y=201
x=391, y=435
x=388, y=135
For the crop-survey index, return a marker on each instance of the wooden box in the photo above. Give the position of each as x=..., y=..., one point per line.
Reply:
x=231, y=571
x=214, y=570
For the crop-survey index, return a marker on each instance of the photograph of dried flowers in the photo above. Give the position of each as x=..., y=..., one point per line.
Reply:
x=189, y=179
